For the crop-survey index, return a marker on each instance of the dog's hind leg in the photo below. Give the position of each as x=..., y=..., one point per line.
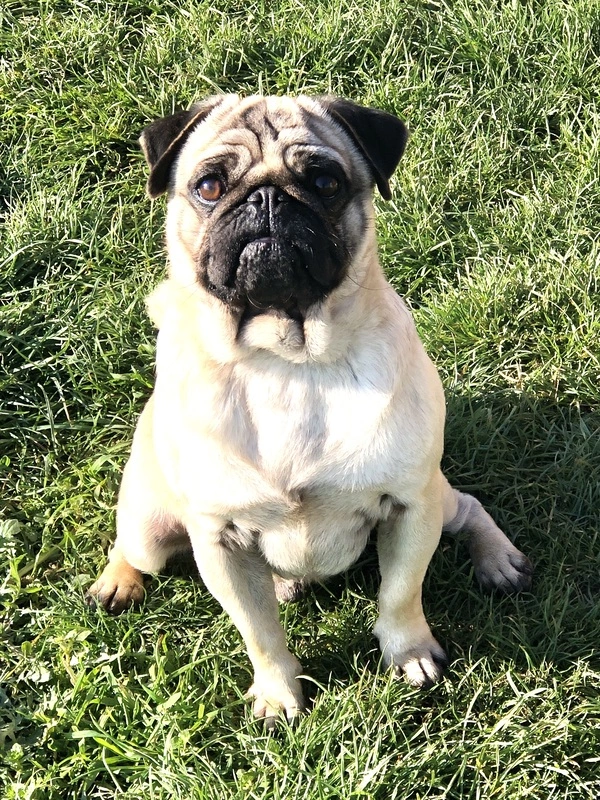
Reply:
x=497, y=562
x=148, y=531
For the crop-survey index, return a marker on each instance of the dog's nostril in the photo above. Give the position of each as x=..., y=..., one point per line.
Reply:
x=256, y=197
x=266, y=196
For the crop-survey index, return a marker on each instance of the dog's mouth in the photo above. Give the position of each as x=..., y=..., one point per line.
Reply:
x=285, y=257
x=272, y=273
x=262, y=240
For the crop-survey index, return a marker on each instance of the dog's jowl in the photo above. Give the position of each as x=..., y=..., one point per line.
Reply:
x=295, y=408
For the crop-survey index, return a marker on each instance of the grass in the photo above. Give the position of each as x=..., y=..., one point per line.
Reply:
x=493, y=238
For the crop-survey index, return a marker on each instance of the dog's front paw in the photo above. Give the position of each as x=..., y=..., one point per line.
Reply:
x=422, y=666
x=117, y=588
x=275, y=696
x=505, y=570
x=270, y=705
x=422, y=661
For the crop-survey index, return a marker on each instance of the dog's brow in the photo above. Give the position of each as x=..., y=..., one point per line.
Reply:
x=298, y=156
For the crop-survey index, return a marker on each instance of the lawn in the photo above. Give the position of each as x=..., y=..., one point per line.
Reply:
x=493, y=237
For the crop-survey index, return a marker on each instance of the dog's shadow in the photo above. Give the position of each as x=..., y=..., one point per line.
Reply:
x=531, y=461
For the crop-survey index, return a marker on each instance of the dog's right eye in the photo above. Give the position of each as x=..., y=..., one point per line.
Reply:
x=210, y=188
x=326, y=185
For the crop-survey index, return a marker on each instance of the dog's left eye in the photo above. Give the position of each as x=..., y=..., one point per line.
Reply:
x=210, y=188
x=326, y=185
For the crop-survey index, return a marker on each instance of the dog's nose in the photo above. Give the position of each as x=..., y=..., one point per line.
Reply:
x=267, y=196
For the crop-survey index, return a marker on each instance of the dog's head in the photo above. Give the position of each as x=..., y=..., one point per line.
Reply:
x=270, y=197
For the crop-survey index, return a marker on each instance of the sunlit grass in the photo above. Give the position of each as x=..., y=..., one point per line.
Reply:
x=492, y=236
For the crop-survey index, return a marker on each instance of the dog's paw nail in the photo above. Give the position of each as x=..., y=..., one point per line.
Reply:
x=114, y=597
x=422, y=672
x=272, y=720
x=521, y=563
x=508, y=572
x=441, y=658
x=279, y=704
x=422, y=667
x=117, y=607
x=270, y=723
x=99, y=597
x=271, y=716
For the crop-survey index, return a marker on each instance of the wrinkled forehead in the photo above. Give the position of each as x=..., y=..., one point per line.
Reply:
x=268, y=135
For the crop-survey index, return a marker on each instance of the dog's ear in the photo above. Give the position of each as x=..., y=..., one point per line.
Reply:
x=162, y=140
x=380, y=137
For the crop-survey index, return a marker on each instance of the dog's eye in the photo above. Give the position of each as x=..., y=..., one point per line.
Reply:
x=210, y=188
x=326, y=185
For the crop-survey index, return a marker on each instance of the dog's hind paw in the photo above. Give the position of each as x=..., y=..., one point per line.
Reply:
x=288, y=590
x=506, y=570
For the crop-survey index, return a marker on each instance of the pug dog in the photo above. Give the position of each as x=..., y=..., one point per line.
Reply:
x=295, y=408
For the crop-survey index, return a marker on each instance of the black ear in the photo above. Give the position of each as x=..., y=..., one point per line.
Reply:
x=380, y=137
x=162, y=140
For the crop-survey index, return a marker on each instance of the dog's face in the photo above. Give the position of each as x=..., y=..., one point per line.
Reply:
x=270, y=197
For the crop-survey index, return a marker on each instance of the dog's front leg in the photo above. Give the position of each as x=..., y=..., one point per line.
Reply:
x=406, y=543
x=241, y=581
